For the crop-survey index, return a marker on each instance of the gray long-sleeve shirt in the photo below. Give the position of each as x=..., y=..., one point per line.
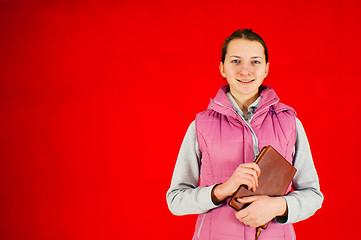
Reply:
x=186, y=197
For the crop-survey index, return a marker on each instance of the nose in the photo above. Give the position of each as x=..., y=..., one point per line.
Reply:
x=244, y=69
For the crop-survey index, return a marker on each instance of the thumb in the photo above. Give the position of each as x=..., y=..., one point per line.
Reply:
x=247, y=199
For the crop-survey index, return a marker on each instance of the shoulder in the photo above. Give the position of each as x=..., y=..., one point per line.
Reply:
x=272, y=101
x=204, y=121
x=283, y=108
x=301, y=133
x=286, y=116
x=299, y=124
x=205, y=114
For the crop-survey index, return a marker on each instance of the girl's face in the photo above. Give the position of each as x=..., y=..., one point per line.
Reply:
x=244, y=67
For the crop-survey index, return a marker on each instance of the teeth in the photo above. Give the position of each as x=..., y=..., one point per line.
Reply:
x=245, y=81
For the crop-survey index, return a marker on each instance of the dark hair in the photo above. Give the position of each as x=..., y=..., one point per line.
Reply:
x=246, y=34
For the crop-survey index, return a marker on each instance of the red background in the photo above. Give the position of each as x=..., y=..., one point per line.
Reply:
x=96, y=96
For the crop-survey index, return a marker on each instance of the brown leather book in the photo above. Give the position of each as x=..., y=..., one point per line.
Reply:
x=276, y=176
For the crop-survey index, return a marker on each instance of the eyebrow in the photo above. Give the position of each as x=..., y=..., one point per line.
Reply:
x=240, y=57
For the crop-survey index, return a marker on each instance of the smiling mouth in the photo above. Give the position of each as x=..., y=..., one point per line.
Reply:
x=245, y=81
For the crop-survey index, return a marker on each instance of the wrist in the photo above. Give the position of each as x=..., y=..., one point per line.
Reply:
x=217, y=194
x=281, y=206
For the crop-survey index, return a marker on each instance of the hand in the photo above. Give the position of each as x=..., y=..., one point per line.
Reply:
x=245, y=174
x=261, y=210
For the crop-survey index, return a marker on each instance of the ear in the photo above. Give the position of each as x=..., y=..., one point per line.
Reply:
x=221, y=69
x=267, y=69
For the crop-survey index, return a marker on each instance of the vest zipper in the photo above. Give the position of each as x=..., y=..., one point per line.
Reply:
x=200, y=226
x=263, y=109
x=254, y=137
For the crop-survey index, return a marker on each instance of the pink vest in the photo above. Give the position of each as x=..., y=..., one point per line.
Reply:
x=225, y=141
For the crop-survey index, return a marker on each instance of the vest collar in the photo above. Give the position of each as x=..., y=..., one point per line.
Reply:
x=269, y=98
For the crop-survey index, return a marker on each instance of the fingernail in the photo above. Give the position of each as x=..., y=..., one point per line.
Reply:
x=239, y=199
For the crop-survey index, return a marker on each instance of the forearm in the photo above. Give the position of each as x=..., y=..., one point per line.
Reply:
x=306, y=198
x=190, y=200
x=302, y=205
x=184, y=195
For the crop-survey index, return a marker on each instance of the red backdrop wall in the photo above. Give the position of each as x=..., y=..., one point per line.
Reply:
x=96, y=96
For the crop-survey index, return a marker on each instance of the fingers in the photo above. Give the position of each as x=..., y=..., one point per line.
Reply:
x=248, y=173
x=240, y=215
x=249, y=181
x=252, y=176
x=246, y=215
x=245, y=174
x=260, y=211
x=253, y=166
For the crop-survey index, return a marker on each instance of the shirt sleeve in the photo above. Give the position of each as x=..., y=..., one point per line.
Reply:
x=306, y=198
x=184, y=195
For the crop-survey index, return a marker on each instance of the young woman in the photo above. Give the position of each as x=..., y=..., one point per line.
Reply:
x=219, y=148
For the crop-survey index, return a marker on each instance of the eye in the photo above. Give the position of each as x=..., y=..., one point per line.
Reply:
x=256, y=62
x=235, y=61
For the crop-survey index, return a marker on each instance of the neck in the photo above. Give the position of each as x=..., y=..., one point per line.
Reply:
x=245, y=101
